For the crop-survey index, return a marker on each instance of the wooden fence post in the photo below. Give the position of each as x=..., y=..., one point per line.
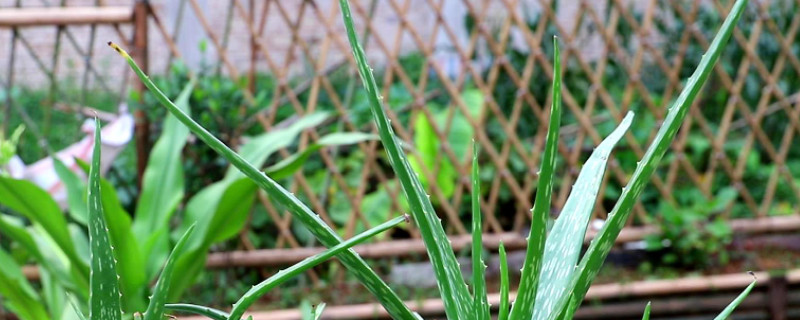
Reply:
x=139, y=54
x=778, y=295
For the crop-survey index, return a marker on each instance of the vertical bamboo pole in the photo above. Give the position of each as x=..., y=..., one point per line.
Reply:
x=139, y=53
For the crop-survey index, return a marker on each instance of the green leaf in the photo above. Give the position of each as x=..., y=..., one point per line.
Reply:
x=231, y=212
x=252, y=295
x=452, y=288
x=318, y=311
x=76, y=191
x=155, y=310
x=18, y=294
x=646, y=314
x=104, y=301
x=735, y=303
x=51, y=263
x=564, y=244
x=327, y=236
x=130, y=261
x=480, y=302
x=27, y=199
x=599, y=248
x=207, y=312
x=504, y=284
x=258, y=149
x=162, y=183
x=288, y=166
x=528, y=283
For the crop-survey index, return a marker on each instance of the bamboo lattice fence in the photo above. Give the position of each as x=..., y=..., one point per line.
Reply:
x=619, y=56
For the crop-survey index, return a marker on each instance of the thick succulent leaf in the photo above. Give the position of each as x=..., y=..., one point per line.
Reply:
x=207, y=312
x=76, y=191
x=155, y=310
x=502, y=314
x=252, y=295
x=27, y=199
x=452, y=288
x=529, y=280
x=104, y=301
x=564, y=244
x=480, y=301
x=162, y=183
x=735, y=303
x=646, y=314
x=18, y=294
x=598, y=250
x=318, y=311
x=327, y=236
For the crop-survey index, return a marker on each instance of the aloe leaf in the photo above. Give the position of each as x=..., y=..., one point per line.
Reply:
x=600, y=246
x=318, y=311
x=564, y=244
x=162, y=183
x=252, y=295
x=452, y=288
x=735, y=303
x=27, y=199
x=522, y=307
x=18, y=294
x=480, y=301
x=646, y=314
x=502, y=314
x=104, y=297
x=207, y=312
x=327, y=236
x=76, y=190
x=155, y=310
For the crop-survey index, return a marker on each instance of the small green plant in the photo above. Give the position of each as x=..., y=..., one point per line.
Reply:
x=694, y=235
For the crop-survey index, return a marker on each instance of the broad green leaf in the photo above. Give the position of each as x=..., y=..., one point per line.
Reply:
x=155, y=310
x=27, y=199
x=502, y=314
x=258, y=149
x=130, y=261
x=104, y=301
x=75, y=308
x=480, y=302
x=735, y=303
x=162, y=183
x=288, y=166
x=257, y=291
x=522, y=307
x=207, y=312
x=327, y=236
x=564, y=244
x=18, y=294
x=646, y=314
x=452, y=288
x=428, y=147
x=598, y=250
x=231, y=212
x=76, y=191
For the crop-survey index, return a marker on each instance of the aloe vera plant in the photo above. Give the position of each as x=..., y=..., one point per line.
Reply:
x=563, y=282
